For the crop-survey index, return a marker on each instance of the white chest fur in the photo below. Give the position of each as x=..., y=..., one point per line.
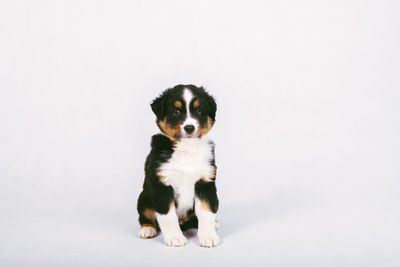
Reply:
x=189, y=162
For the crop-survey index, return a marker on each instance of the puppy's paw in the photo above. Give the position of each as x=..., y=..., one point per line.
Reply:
x=175, y=240
x=208, y=239
x=147, y=232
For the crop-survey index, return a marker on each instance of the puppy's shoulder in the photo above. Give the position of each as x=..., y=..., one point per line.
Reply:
x=161, y=150
x=160, y=142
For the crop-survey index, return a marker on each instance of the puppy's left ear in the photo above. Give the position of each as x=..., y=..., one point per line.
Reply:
x=158, y=105
x=212, y=106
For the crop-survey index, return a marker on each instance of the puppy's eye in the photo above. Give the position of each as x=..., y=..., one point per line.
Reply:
x=176, y=112
x=197, y=111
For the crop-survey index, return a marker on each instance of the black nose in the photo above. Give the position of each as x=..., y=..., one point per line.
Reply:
x=189, y=129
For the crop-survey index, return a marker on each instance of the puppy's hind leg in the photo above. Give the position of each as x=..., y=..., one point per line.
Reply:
x=147, y=218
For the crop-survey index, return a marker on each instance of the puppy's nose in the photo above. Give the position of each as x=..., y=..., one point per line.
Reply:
x=189, y=129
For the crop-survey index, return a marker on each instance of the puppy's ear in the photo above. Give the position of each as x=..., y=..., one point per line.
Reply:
x=158, y=105
x=213, y=108
x=211, y=104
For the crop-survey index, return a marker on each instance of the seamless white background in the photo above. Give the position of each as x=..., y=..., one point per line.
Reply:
x=307, y=130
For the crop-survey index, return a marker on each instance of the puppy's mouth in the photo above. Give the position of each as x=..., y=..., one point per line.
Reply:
x=191, y=135
x=185, y=134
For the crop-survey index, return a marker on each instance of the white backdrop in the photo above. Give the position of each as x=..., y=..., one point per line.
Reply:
x=307, y=130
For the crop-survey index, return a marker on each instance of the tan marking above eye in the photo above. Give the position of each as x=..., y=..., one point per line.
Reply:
x=196, y=103
x=178, y=104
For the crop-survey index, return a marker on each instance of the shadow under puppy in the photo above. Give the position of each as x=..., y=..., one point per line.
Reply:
x=179, y=188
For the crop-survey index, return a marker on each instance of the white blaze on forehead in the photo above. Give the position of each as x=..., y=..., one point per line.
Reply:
x=188, y=97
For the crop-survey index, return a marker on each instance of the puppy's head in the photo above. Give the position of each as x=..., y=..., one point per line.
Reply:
x=185, y=111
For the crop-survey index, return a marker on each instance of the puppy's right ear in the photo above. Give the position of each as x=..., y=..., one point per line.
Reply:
x=158, y=105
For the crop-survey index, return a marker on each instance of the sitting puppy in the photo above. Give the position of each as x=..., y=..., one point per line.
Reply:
x=179, y=187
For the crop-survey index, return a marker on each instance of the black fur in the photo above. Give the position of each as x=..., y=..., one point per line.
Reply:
x=207, y=191
x=156, y=195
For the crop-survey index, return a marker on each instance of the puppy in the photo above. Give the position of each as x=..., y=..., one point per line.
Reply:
x=179, y=187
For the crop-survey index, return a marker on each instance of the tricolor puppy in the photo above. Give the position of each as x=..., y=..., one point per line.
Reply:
x=179, y=187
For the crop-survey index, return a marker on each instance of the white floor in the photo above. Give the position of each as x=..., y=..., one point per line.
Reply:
x=272, y=231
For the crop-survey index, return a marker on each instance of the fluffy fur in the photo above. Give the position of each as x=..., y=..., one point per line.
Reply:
x=179, y=189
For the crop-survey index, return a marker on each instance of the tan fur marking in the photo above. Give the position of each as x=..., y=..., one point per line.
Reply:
x=204, y=205
x=213, y=173
x=178, y=104
x=204, y=130
x=204, y=179
x=212, y=176
x=171, y=132
x=149, y=214
x=147, y=225
x=196, y=103
x=160, y=177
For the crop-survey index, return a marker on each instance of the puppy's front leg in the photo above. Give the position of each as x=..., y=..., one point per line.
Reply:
x=170, y=229
x=206, y=206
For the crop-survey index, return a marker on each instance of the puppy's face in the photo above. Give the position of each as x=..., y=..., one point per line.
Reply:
x=185, y=111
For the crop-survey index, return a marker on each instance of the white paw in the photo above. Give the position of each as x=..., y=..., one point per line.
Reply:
x=175, y=240
x=208, y=239
x=147, y=232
